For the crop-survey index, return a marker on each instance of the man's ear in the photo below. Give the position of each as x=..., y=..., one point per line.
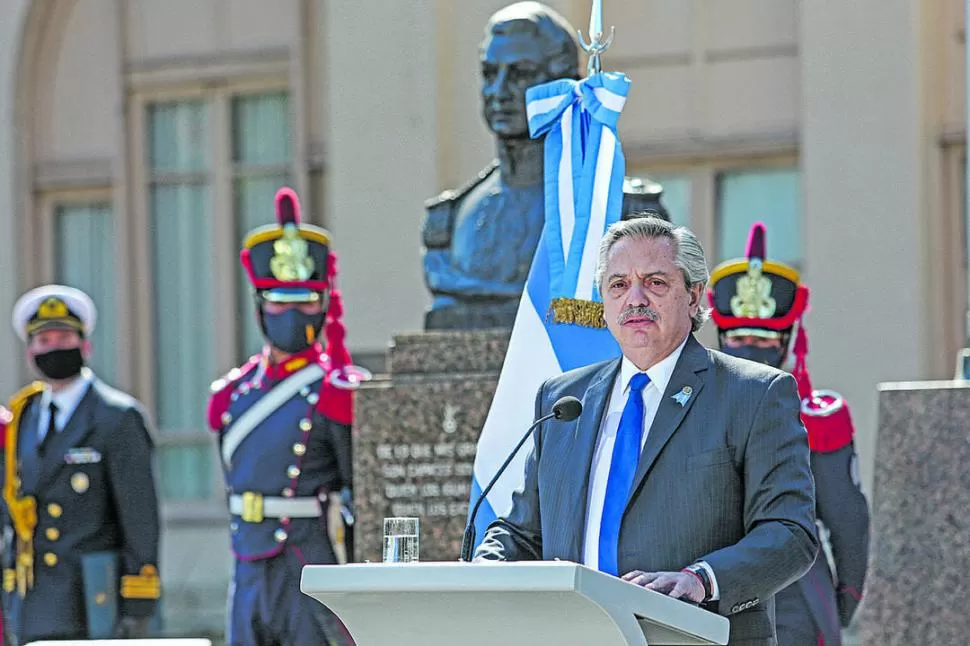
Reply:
x=86, y=349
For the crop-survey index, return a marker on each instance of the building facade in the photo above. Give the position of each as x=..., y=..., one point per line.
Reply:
x=139, y=140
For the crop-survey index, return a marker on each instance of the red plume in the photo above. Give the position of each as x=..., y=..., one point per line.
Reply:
x=336, y=402
x=757, y=246
x=287, y=206
x=800, y=371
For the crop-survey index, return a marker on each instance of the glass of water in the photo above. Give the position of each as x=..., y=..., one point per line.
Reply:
x=401, y=540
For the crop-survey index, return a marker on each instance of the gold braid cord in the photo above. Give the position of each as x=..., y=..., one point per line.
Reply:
x=577, y=312
x=23, y=509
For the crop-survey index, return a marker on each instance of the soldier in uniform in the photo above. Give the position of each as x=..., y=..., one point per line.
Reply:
x=756, y=304
x=284, y=422
x=78, y=485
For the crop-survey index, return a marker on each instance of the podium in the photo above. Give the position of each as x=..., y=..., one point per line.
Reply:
x=514, y=604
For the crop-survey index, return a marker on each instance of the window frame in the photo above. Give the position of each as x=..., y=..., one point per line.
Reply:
x=220, y=177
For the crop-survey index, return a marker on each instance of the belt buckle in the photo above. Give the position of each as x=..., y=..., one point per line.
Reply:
x=252, y=511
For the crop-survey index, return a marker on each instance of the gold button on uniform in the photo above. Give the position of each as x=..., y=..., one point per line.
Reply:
x=280, y=536
x=54, y=510
x=50, y=559
x=52, y=534
x=306, y=424
x=299, y=449
x=293, y=471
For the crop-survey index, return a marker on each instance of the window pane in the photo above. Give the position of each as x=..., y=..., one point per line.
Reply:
x=185, y=471
x=261, y=138
x=177, y=137
x=254, y=207
x=261, y=129
x=676, y=197
x=184, y=317
x=85, y=260
x=771, y=196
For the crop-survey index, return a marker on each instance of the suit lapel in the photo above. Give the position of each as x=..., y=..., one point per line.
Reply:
x=78, y=426
x=582, y=447
x=693, y=360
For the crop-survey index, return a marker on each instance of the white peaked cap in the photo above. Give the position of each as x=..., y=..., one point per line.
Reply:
x=53, y=305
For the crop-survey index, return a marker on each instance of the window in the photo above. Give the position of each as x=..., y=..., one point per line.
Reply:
x=261, y=161
x=180, y=214
x=676, y=196
x=84, y=258
x=214, y=163
x=772, y=196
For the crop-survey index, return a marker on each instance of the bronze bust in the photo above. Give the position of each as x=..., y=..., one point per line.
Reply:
x=480, y=239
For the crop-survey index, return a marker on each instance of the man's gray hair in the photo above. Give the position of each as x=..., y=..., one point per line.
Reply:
x=688, y=253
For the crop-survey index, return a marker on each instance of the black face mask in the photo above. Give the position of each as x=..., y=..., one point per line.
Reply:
x=287, y=330
x=773, y=357
x=60, y=364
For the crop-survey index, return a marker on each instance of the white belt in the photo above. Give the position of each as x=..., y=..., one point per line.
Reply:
x=252, y=507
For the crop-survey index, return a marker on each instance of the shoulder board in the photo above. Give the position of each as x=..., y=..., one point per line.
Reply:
x=452, y=195
x=222, y=388
x=336, y=398
x=827, y=420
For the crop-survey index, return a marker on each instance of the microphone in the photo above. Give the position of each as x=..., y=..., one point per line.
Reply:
x=566, y=409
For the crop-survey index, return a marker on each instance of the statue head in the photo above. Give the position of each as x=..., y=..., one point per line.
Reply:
x=526, y=44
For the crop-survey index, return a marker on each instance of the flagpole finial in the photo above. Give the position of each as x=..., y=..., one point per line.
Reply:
x=596, y=45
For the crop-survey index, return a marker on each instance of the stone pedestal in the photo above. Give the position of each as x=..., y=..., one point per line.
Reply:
x=416, y=432
x=920, y=546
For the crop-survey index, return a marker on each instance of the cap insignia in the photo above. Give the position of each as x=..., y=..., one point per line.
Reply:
x=753, y=296
x=291, y=260
x=52, y=308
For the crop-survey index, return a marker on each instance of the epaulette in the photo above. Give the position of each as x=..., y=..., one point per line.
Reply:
x=439, y=221
x=5, y=417
x=452, y=195
x=827, y=420
x=336, y=397
x=222, y=390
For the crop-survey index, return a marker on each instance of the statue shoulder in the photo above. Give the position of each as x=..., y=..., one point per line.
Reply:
x=440, y=217
x=827, y=420
x=222, y=388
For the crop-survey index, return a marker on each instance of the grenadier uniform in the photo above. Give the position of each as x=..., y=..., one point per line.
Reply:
x=757, y=298
x=285, y=439
x=80, y=506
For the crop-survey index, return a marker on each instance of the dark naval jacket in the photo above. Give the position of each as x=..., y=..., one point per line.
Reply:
x=93, y=491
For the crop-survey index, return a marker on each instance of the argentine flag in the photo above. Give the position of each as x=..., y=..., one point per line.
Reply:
x=559, y=323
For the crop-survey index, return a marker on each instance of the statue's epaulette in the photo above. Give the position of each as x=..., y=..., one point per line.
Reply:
x=452, y=195
x=827, y=420
x=222, y=389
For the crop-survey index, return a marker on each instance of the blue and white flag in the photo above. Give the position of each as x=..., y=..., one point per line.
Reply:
x=559, y=324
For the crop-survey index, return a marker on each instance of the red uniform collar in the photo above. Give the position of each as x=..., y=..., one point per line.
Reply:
x=276, y=371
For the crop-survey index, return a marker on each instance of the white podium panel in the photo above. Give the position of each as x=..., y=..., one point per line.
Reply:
x=514, y=604
x=124, y=642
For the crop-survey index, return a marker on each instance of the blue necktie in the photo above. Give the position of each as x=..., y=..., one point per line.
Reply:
x=623, y=466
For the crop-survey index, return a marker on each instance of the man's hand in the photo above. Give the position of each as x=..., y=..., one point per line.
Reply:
x=677, y=585
x=132, y=628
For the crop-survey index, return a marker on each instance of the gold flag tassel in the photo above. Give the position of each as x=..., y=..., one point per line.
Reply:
x=577, y=312
x=22, y=509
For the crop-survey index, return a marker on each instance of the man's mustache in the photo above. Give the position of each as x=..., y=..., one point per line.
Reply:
x=637, y=311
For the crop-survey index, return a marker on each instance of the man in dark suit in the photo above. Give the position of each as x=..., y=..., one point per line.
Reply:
x=756, y=304
x=78, y=483
x=688, y=470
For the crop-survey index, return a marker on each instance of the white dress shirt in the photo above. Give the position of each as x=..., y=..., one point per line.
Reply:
x=66, y=400
x=659, y=375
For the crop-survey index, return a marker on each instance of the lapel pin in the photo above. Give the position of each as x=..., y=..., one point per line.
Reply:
x=682, y=397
